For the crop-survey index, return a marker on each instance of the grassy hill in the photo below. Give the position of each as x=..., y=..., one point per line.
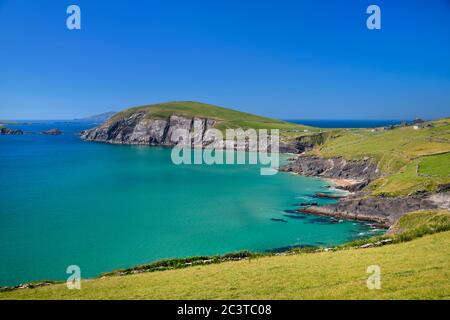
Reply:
x=418, y=269
x=226, y=118
x=413, y=160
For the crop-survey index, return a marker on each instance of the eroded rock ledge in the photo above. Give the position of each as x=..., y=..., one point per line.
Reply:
x=383, y=211
x=361, y=172
x=361, y=206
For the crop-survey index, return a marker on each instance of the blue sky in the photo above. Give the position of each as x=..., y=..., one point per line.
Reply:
x=284, y=59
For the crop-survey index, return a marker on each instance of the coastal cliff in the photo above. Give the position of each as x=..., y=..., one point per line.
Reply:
x=157, y=124
x=138, y=129
x=358, y=173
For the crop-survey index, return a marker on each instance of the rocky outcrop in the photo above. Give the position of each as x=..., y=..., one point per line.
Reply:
x=52, y=132
x=361, y=171
x=383, y=211
x=443, y=187
x=361, y=206
x=337, y=168
x=8, y=131
x=308, y=142
x=303, y=143
x=139, y=129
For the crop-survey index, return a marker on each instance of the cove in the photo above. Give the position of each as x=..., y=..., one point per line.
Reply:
x=104, y=207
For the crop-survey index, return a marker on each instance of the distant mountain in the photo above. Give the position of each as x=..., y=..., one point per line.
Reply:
x=98, y=117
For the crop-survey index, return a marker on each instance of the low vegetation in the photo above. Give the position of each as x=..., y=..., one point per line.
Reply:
x=417, y=269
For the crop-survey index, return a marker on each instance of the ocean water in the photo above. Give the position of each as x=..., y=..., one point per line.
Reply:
x=102, y=207
x=347, y=123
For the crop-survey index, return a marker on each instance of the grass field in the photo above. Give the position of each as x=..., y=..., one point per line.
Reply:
x=435, y=166
x=417, y=269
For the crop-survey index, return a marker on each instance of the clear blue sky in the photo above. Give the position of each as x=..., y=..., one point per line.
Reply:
x=284, y=59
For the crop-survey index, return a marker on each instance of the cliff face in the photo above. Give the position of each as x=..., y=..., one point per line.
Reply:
x=308, y=142
x=137, y=129
x=362, y=171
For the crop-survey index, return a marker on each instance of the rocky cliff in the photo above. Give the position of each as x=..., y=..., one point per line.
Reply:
x=138, y=129
x=383, y=211
x=361, y=171
x=308, y=142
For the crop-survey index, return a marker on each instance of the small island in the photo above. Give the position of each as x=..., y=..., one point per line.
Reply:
x=52, y=132
x=7, y=131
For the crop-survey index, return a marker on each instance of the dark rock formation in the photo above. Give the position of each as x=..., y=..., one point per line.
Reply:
x=383, y=211
x=443, y=187
x=278, y=220
x=362, y=171
x=8, y=131
x=303, y=143
x=52, y=132
x=308, y=142
x=288, y=147
x=337, y=168
x=304, y=204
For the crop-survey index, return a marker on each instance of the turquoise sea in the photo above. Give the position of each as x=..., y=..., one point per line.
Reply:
x=103, y=207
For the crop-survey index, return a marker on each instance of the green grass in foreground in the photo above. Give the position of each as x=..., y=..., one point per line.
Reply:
x=226, y=118
x=418, y=269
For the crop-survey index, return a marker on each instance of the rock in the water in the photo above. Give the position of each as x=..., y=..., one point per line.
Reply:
x=52, y=132
x=382, y=210
x=8, y=131
x=322, y=195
